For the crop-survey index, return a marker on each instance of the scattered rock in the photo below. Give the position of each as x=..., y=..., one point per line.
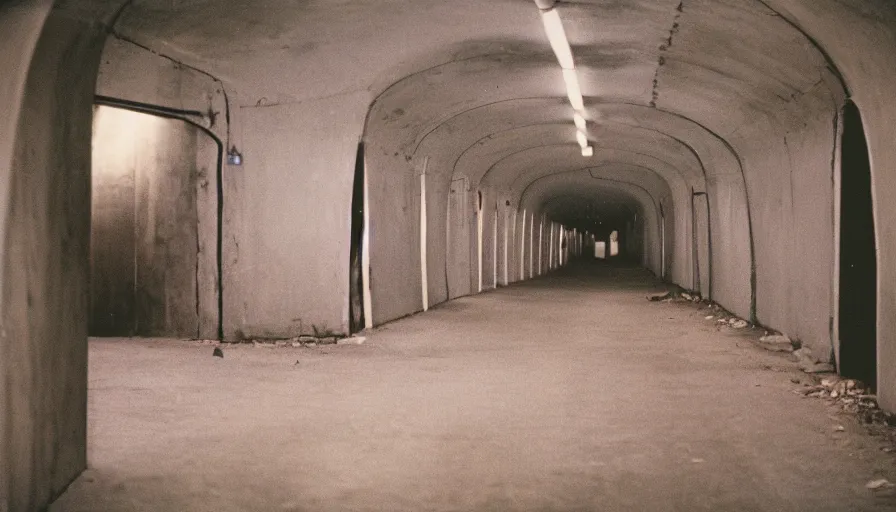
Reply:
x=709, y=317
x=739, y=324
x=817, y=368
x=218, y=352
x=659, y=296
x=297, y=362
x=839, y=428
x=297, y=344
x=776, y=338
x=307, y=339
x=795, y=380
x=882, y=483
x=354, y=340
x=687, y=296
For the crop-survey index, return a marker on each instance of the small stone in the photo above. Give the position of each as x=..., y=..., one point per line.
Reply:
x=709, y=317
x=739, y=324
x=659, y=296
x=839, y=428
x=795, y=381
x=882, y=483
x=218, y=352
x=354, y=340
x=697, y=461
x=817, y=368
x=887, y=449
x=297, y=344
x=775, y=338
x=834, y=394
x=830, y=382
x=686, y=296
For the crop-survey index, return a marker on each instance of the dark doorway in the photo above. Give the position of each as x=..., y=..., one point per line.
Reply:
x=356, y=276
x=858, y=259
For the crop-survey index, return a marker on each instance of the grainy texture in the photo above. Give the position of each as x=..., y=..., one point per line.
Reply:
x=570, y=392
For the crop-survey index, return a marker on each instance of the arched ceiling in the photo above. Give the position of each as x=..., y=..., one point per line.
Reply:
x=475, y=88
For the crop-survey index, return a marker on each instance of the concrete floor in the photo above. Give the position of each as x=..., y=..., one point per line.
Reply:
x=571, y=392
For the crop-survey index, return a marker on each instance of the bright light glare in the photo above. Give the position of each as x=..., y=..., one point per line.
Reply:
x=553, y=26
x=581, y=124
x=573, y=90
x=582, y=138
x=588, y=151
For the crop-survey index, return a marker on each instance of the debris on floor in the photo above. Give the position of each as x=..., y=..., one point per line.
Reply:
x=659, y=296
x=809, y=364
x=882, y=483
x=738, y=324
x=218, y=352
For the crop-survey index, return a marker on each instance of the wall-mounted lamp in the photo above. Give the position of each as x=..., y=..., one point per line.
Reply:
x=234, y=157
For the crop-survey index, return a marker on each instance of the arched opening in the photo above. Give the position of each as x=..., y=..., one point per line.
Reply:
x=858, y=255
x=155, y=219
x=357, y=316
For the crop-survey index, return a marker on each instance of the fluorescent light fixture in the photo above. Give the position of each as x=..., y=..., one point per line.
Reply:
x=582, y=138
x=553, y=26
x=573, y=90
x=588, y=151
x=581, y=124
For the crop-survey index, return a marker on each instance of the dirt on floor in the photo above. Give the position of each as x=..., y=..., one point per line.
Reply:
x=569, y=392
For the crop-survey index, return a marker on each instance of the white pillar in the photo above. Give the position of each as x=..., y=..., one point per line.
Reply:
x=424, y=267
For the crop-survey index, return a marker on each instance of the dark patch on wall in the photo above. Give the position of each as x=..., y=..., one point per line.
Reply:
x=655, y=96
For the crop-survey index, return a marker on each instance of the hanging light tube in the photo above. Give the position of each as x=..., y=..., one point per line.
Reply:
x=573, y=90
x=581, y=124
x=582, y=138
x=553, y=26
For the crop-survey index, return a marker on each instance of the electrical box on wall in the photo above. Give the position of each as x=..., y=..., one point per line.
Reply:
x=234, y=157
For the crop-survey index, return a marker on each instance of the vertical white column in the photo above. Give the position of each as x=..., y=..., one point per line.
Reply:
x=424, y=266
x=365, y=258
x=506, y=233
x=479, y=235
x=540, y=244
x=531, y=246
x=522, y=276
x=495, y=249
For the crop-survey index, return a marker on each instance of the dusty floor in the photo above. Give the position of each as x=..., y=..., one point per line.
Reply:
x=571, y=392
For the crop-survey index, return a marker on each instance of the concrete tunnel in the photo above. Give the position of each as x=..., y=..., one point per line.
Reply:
x=271, y=169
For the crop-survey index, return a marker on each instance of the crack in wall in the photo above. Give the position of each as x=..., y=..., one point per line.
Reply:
x=655, y=94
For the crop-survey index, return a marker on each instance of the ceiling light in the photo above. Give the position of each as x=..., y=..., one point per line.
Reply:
x=573, y=90
x=581, y=124
x=588, y=151
x=582, y=138
x=553, y=26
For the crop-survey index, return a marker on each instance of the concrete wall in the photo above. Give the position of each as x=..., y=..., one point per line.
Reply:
x=146, y=255
x=46, y=228
x=288, y=218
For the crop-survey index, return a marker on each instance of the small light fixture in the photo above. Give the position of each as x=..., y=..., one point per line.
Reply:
x=234, y=157
x=588, y=151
